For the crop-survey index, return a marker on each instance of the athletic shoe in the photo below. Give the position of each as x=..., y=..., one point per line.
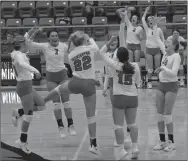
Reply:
x=149, y=85
x=22, y=146
x=135, y=154
x=160, y=145
x=71, y=130
x=120, y=152
x=170, y=146
x=15, y=117
x=62, y=132
x=94, y=150
x=128, y=138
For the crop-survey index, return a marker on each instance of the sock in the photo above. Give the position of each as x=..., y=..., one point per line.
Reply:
x=20, y=112
x=128, y=130
x=162, y=137
x=93, y=141
x=171, y=137
x=23, y=137
x=134, y=146
x=70, y=121
x=60, y=123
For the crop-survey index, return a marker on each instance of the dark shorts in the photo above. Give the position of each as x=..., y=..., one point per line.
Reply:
x=86, y=87
x=168, y=87
x=122, y=101
x=133, y=47
x=153, y=51
x=57, y=77
x=24, y=88
x=111, y=82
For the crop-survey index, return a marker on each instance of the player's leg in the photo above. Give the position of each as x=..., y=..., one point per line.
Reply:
x=170, y=98
x=149, y=58
x=160, y=101
x=131, y=56
x=130, y=115
x=57, y=109
x=39, y=104
x=118, y=117
x=181, y=70
x=137, y=54
x=157, y=60
x=65, y=98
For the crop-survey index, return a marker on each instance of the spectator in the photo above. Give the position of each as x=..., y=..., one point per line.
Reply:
x=90, y=10
x=7, y=45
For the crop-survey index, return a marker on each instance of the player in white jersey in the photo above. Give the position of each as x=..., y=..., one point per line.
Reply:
x=153, y=54
x=182, y=52
x=134, y=36
x=125, y=95
x=55, y=53
x=30, y=99
x=81, y=59
x=167, y=91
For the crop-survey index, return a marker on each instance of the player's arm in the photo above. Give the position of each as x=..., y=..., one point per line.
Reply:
x=125, y=16
x=161, y=35
x=23, y=64
x=138, y=76
x=122, y=31
x=175, y=67
x=106, y=81
x=144, y=19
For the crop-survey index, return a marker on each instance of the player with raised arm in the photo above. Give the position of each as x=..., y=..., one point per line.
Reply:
x=55, y=53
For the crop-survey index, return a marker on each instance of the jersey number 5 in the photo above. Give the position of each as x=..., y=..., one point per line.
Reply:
x=125, y=79
x=83, y=64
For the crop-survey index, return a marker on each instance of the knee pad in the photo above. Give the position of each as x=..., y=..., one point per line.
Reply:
x=28, y=118
x=91, y=120
x=116, y=127
x=167, y=119
x=129, y=126
x=150, y=71
x=160, y=117
x=66, y=105
x=57, y=106
x=57, y=90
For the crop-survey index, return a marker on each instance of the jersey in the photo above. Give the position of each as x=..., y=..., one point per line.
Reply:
x=180, y=39
x=54, y=55
x=21, y=73
x=132, y=33
x=82, y=60
x=169, y=61
x=151, y=38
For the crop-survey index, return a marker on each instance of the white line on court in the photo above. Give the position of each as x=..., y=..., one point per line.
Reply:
x=82, y=142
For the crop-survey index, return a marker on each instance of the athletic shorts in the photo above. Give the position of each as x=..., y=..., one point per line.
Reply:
x=168, y=87
x=153, y=51
x=111, y=82
x=57, y=77
x=24, y=88
x=122, y=101
x=133, y=47
x=86, y=87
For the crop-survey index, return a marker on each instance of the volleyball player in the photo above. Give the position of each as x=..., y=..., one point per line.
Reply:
x=167, y=91
x=125, y=95
x=56, y=73
x=182, y=52
x=153, y=53
x=30, y=99
x=81, y=58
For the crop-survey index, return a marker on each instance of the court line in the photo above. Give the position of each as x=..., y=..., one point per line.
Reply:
x=82, y=142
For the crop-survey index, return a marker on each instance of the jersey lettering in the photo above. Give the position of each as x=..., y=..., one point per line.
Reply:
x=165, y=61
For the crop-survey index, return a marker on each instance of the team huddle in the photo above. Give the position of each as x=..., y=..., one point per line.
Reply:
x=123, y=75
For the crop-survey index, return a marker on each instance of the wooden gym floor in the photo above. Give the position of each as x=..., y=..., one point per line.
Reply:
x=44, y=138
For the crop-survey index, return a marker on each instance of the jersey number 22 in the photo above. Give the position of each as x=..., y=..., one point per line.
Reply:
x=83, y=64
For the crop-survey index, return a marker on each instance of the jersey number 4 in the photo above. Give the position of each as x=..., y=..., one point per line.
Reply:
x=125, y=79
x=83, y=64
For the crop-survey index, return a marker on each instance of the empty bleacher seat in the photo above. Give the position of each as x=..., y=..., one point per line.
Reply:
x=13, y=23
x=111, y=10
x=26, y=9
x=99, y=31
x=60, y=8
x=162, y=7
x=30, y=22
x=46, y=22
x=79, y=21
x=64, y=31
x=8, y=9
x=77, y=8
x=179, y=7
x=180, y=18
x=2, y=23
x=43, y=8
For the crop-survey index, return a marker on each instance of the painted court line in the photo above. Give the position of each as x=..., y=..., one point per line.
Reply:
x=82, y=142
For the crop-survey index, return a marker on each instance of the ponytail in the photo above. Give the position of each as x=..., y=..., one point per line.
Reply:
x=128, y=68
